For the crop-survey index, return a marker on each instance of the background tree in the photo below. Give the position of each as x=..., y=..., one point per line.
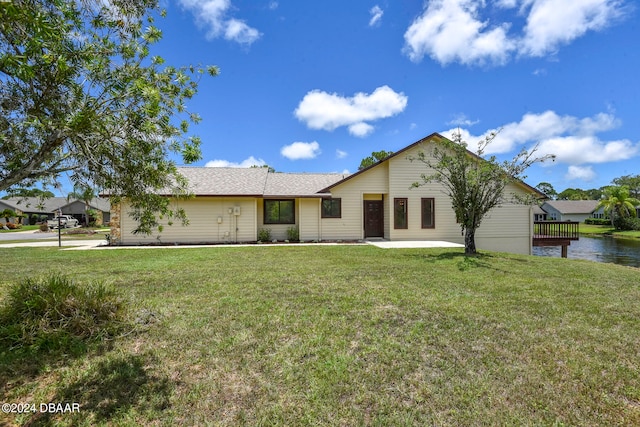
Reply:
x=632, y=182
x=80, y=93
x=374, y=158
x=618, y=203
x=474, y=184
x=573, y=194
x=547, y=189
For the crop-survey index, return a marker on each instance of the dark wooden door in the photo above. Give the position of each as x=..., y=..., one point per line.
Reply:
x=373, y=218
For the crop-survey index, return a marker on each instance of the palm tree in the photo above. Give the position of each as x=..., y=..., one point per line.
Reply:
x=617, y=202
x=7, y=214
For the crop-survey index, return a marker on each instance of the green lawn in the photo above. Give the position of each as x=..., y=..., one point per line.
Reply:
x=599, y=230
x=23, y=228
x=342, y=335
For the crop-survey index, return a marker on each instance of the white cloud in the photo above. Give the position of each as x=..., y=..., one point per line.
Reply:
x=273, y=5
x=584, y=173
x=552, y=23
x=450, y=31
x=361, y=129
x=572, y=140
x=376, y=15
x=246, y=163
x=328, y=111
x=462, y=30
x=213, y=15
x=462, y=120
x=341, y=154
x=301, y=150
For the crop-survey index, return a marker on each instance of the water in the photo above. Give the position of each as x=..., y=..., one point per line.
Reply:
x=601, y=249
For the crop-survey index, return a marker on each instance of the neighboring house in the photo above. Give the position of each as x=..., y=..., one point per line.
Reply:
x=232, y=205
x=570, y=210
x=36, y=210
x=539, y=214
x=77, y=209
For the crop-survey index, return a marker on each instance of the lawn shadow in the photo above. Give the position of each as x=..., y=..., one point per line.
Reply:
x=463, y=262
x=20, y=366
x=112, y=386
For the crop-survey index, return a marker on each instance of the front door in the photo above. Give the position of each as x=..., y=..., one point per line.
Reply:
x=373, y=218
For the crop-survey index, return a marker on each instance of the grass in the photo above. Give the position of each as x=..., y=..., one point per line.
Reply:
x=23, y=228
x=607, y=230
x=343, y=335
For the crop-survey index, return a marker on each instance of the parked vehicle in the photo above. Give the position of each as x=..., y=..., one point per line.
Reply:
x=65, y=221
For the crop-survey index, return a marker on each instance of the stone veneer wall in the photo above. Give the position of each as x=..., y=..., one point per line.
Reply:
x=116, y=231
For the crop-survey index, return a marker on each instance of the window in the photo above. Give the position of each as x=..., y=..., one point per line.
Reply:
x=428, y=213
x=331, y=208
x=400, y=213
x=279, y=212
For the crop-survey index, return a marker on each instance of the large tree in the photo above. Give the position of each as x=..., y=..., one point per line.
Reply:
x=80, y=94
x=475, y=184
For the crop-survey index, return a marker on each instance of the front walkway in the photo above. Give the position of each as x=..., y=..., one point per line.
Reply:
x=100, y=244
x=414, y=244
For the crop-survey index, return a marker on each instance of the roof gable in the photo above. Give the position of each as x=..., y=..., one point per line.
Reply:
x=435, y=138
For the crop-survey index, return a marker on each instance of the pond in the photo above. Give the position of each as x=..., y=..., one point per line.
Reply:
x=601, y=249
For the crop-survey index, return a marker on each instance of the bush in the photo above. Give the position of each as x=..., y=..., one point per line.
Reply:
x=12, y=226
x=55, y=313
x=44, y=227
x=626, y=223
x=264, y=235
x=293, y=234
x=597, y=221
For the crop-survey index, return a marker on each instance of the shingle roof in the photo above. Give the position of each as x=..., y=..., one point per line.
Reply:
x=35, y=205
x=573, y=206
x=205, y=181
x=257, y=182
x=299, y=184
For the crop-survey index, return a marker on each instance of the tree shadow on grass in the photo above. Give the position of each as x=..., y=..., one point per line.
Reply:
x=114, y=385
x=463, y=262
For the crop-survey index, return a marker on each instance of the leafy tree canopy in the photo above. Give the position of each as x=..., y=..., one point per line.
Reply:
x=374, y=158
x=547, y=189
x=475, y=184
x=632, y=182
x=81, y=94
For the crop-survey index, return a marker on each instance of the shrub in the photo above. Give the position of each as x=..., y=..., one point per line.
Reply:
x=264, y=235
x=55, y=313
x=626, y=223
x=293, y=234
x=12, y=226
x=597, y=221
x=44, y=227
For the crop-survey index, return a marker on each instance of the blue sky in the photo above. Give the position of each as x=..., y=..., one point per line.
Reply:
x=317, y=86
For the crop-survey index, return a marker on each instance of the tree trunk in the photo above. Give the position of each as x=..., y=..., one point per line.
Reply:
x=470, y=241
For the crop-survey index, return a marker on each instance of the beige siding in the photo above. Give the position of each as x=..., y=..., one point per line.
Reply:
x=203, y=214
x=402, y=174
x=506, y=228
x=375, y=181
x=309, y=219
x=278, y=231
